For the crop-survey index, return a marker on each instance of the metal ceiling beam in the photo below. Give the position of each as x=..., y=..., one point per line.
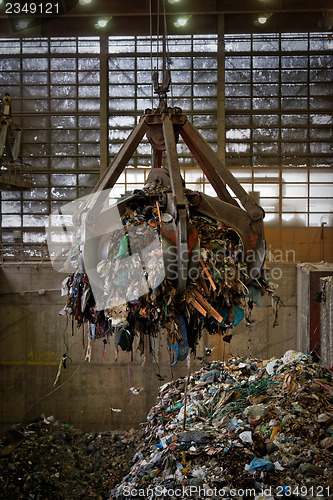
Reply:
x=288, y=16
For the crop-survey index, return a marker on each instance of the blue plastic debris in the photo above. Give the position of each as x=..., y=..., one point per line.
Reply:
x=262, y=463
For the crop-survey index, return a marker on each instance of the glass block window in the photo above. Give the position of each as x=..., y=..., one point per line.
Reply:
x=279, y=116
x=193, y=65
x=54, y=85
x=276, y=90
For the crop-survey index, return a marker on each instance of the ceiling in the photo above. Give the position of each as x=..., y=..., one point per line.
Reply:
x=132, y=17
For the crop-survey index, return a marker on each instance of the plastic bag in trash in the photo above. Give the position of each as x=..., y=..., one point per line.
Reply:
x=292, y=355
x=263, y=464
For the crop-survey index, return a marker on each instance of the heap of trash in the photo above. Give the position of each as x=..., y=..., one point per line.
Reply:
x=143, y=305
x=48, y=459
x=239, y=429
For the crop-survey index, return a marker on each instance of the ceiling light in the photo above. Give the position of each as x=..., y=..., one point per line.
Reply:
x=23, y=24
x=84, y=2
x=181, y=21
x=101, y=23
x=170, y=1
x=262, y=18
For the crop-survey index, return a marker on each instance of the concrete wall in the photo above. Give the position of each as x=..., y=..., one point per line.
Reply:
x=263, y=340
x=33, y=337
x=306, y=244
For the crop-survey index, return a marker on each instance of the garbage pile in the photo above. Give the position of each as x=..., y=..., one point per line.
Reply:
x=216, y=297
x=241, y=429
x=52, y=460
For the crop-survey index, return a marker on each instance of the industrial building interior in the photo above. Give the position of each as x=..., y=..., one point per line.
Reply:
x=236, y=100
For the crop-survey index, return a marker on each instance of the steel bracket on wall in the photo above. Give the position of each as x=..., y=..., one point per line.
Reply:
x=13, y=173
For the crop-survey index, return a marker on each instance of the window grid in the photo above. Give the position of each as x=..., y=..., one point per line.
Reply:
x=52, y=91
x=278, y=149
x=278, y=95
